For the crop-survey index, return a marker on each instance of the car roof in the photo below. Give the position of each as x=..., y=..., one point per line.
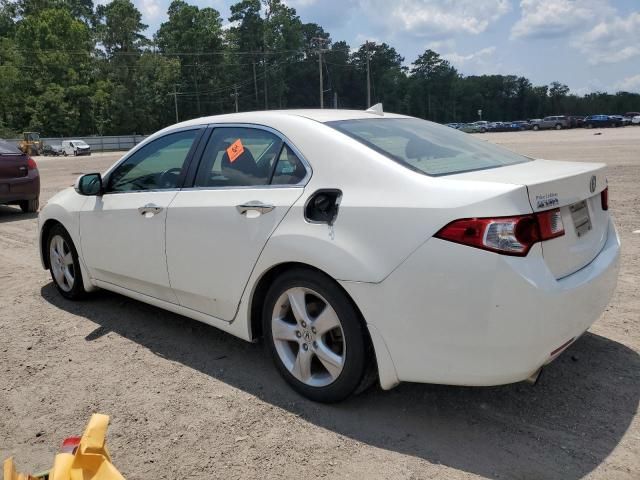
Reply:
x=319, y=115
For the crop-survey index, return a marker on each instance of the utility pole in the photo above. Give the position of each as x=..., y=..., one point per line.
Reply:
x=175, y=101
x=235, y=95
x=320, y=41
x=255, y=82
x=197, y=91
x=366, y=47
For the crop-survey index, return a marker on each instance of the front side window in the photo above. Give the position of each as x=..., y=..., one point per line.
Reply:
x=426, y=147
x=156, y=166
x=238, y=157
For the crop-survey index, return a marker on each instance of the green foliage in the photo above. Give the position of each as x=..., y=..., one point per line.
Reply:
x=69, y=67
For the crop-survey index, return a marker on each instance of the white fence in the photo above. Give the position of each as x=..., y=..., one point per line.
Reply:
x=98, y=144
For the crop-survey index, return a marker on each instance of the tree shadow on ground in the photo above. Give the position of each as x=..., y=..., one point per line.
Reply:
x=564, y=427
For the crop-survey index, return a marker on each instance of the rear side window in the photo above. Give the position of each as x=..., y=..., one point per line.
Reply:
x=289, y=169
x=244, y=156
x=238, y=157
x=426, y=147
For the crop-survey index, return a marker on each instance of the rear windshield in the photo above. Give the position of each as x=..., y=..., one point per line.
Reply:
x=427, y=147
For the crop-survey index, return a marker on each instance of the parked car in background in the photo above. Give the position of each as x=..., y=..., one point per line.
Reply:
x=52, y=150
x=576, y=121
x=75, y=147
x=455, y=125
x=557, y=122
x=480, y=125
x=635, y=120
x=470, y=128
x=601, y=121
x=19, y=178
x=623, y=120
x=476, y=266
x=495, y=127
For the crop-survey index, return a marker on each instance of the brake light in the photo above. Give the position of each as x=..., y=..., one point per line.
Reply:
x=505, y=235
x=604, y=198
x=31, y=164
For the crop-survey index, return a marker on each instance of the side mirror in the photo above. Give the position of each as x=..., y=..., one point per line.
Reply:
x=89, y=184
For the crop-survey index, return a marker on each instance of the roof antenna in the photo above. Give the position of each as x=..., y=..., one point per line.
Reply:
x=377, y=109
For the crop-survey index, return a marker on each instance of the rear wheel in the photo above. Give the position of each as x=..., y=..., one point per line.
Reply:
x=30, y=206
x=315, y=336
x=558, y=127
x=64, y=264
x=536, y=128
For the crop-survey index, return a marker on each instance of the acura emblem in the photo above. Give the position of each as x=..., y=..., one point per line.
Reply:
x=592, y=184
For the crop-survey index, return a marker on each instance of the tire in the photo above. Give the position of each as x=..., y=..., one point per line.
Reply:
x=30, y=206
x=321, y=351
x=536, y=127
x=589, y=125
x=64, y=153
x=62, y=253
x=558, y=127
x=75, y=153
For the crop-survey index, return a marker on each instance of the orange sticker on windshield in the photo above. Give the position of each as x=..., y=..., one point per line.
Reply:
x=235, y=150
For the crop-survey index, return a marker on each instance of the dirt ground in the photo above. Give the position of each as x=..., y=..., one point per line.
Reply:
x=188, y=401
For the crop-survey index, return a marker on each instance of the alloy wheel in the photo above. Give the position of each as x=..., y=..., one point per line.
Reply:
x=62, y=265
x=308, y=337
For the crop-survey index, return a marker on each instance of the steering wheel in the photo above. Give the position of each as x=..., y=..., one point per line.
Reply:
x=165, y=180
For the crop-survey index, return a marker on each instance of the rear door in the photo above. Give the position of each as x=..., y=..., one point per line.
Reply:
x=122, y=232
x=247, y=180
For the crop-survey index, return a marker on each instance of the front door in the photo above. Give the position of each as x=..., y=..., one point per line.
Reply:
x=246, y=182
x=122, y=232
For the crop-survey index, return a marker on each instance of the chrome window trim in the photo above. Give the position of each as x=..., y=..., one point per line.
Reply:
x=301, y=184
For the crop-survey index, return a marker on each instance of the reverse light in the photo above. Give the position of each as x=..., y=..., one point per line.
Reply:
x=505, y=235
x=604, y=198
x=31, y=164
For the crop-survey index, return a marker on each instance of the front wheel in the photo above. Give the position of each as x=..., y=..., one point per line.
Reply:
x=64, y=264
x=558, y=127
x=315, y=336
x=536, y=128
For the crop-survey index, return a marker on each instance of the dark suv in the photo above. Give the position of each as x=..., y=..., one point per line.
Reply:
x=19, y=178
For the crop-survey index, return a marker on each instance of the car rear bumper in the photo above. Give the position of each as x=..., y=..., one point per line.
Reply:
x=19, y=189
x=453, y=314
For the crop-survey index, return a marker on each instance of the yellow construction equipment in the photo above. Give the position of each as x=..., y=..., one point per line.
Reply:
x=31, y=143
x=81, y=458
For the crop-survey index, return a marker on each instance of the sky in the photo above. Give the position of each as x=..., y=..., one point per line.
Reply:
x=589, y=45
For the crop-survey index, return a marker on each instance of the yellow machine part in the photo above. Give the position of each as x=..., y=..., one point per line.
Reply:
x=90, y=461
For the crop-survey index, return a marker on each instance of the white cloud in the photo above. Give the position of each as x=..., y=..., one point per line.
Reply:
x=480, y=62
x=434, y=18
x=555, y=18
x=152, y=9
x=461, y=60
x=612, y=40
x=629, y=84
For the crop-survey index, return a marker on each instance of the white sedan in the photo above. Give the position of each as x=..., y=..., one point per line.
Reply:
x=361, y=246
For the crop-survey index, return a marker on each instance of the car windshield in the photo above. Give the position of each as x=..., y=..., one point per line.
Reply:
x=80, y=143
x=427, y=147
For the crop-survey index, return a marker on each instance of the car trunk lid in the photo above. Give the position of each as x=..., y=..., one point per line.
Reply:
x=13, y=163
x=574, y=188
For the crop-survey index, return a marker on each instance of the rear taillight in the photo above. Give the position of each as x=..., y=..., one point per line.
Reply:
x=31, y=164
x=505, y=235
x=604, y=198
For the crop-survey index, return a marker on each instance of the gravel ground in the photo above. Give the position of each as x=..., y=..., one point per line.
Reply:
x=188, y=401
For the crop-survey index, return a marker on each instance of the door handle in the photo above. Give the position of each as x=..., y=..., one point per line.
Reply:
x=254, y=205
x=149, y=208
